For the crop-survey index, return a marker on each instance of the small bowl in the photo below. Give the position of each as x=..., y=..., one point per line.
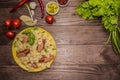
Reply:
x=52, y=8
x=63, y=5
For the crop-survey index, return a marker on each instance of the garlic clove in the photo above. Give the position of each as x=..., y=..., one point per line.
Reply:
x=33, y=5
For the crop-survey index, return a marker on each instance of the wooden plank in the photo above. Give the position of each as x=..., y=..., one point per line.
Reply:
x=84, y=72
x=7, y=3
x=70, y=54
x=67, y=34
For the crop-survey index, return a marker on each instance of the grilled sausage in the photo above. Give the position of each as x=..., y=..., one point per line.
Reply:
x=41, y=46
x=23, y=53
x=25, y=40
x=34, y=65
x=46, y=59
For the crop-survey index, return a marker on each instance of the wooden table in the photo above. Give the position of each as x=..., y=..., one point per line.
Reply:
x=79, y=47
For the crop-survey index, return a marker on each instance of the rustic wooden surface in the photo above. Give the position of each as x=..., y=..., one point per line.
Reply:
x=79, y=47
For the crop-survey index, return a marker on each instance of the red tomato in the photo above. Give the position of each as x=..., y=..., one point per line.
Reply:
x=16, y=23
x=7, y=22
x=49, y=19
x=10, y=34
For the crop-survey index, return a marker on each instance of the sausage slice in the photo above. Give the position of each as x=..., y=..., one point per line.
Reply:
x=23, y=53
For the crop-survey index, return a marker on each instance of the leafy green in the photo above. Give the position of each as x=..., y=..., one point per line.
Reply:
x=110, y=23
x=31, y=38
x=35, y=28
x=109, y=11
x=27, y=31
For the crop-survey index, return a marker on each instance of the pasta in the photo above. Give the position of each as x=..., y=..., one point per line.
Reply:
x=34, y=48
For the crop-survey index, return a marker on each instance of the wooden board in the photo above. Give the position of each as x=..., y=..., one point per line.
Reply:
x=80, y=55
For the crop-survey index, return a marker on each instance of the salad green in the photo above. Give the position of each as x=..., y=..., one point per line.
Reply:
x=31, y=37
x=109, y=11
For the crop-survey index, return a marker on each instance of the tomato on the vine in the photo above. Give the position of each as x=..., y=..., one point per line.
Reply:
x=10, y=34
x=7, y=22
x=16, y=23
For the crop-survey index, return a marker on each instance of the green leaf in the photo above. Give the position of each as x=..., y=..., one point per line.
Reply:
x=110, y=22
x=85, y=13
x=113, y=28
x=85, y=5
x=98, y=12
x=31, y=38
x=35, y=28
x=114, y=19
x=27, y=31
x=93, y=2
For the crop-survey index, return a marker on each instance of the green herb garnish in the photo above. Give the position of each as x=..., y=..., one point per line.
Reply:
x=31, y=38
x=109, y=11
x=27, y=31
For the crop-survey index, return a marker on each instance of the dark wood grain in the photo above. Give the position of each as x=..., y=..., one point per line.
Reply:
x=84, y=72
x=69, y=34
x=80, y=52
x=71, y=54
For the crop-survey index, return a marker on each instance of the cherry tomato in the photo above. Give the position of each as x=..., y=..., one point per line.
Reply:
x=7, y=22
x=49, y=19
x=10, y=34
x=16, y=23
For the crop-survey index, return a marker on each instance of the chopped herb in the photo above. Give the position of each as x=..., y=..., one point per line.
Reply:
x=17, y=38
x=50, y=44
x=45, y=50
x=14, y=43
x=53, y=48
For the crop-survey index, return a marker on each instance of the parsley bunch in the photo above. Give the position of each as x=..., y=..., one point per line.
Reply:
x=109, y=11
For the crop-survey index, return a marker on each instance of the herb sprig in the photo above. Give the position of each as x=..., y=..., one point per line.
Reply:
x=109, y=11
